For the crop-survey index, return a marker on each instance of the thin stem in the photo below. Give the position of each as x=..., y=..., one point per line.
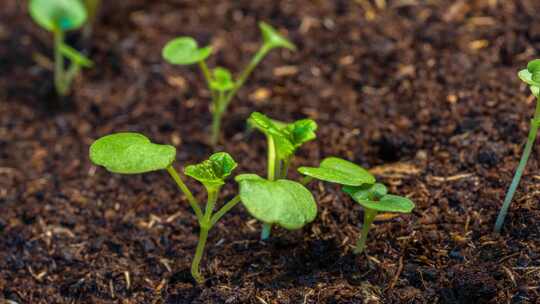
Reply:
x=284, y=170
x=73, y=70
x=191, y=199
x=216, y=118
x=59, y=80
x=266, y=231
x=226, y=208
x=306, y=180
x=206, y=73
x=203, y=235
x=369, y=217
x=535, y=123
x=255, y=60
x=271, y=161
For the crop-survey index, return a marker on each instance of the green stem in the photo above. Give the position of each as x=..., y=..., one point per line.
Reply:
x=255, y=60
x=284, y=170
x=203, y=235
x=306, y=180
x=535, y=123
x=73, y=70
x=369, y=217
x=217, y=112
x=59, y=77
x=191, y=199
x=266, y=231
x=206, y=73
x=226, y=208
x=271, y=174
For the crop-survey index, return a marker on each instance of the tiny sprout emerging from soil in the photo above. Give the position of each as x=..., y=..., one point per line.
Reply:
x=133, y=153
x=361, y=186
x=186, y=51
x=283, y=140
x=59, y=16
x=531, y=76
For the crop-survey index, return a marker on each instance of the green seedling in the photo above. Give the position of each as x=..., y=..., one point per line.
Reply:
x=133, y=153
x=186, y=51
x=58, y=17
x=361, y=186
x=531, y=76
x=283, y=140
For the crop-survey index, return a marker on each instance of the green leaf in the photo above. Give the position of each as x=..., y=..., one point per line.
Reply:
x=340, y=171
x=273, y=39
x=389, y=203
x=58, y=14
x=287, y=137
x=185, y=51
x=366, y=192
x=75, y=56
x=534, y=66
x=282, y=202
x=222, y=80
x=131, y=153
x=535, y=91
x=213, y=171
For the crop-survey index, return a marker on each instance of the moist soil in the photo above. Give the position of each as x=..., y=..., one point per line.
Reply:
x=423, y=92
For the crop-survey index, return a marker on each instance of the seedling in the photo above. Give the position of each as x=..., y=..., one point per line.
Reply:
x=531, y=76
x=282, y=202
x=361, y=186
x=133, y=153
x=186, y=51
x=57, y=17
x=283, y=140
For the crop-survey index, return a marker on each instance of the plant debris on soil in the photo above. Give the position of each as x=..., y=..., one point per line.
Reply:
x=423, y=92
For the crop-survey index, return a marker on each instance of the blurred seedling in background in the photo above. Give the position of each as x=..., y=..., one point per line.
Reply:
x=361, y=186
x=283, y=139
x=92, y=9
x=283, y=202
x=58, y=17
x=220, y=82
x=531, y=76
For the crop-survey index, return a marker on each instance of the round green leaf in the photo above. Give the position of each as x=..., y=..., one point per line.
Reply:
x=340, y=171
x=273, y=39
x=130, y=153
x=213, y=171
x=282, y=202
x=222, y=80
x=185, y=51
x=389, y=203
x=534, y=66
x=58, y=14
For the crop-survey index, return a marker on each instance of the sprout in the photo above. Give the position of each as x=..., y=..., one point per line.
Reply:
x=361, y=186
x=283, y=141
x=223, y=87
x=282, y=202
x=59, y=16
x=132, y=153
x=531, y=76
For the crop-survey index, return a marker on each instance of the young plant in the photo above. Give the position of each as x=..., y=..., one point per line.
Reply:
x=283, y=140
x=185, y=51
x=361, y=186
x=531, y=76
x=133, y=153
x=57, y=17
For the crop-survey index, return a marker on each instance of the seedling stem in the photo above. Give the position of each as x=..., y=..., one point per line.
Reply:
x=182, y=186
x=535, y=123
x=369, y=217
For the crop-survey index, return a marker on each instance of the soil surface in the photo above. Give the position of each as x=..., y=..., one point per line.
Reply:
x=423, y=92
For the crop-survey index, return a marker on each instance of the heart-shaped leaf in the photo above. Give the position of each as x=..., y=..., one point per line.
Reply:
x=131, y=153
x=282, y=202
x=222, y=80
x=185, y=51
x=389, y=203
x=366, y=191
x=58, y=14
x=340, y=171
x=287, y=137
x=213, y=171
x=273, y=39
x=75, y=56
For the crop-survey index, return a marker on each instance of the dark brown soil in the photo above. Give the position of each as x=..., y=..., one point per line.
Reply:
x=425, y=92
